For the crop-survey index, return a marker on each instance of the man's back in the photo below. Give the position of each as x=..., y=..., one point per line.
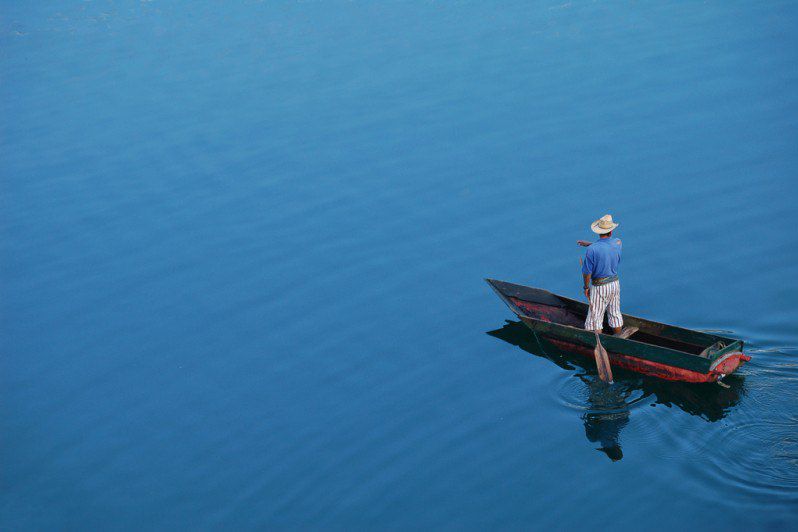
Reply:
x=602, y=258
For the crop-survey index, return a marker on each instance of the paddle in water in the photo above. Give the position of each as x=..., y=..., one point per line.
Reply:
x=602, y=361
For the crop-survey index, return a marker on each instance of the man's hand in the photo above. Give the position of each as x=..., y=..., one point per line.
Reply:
x=583, y=243
x=587, y=293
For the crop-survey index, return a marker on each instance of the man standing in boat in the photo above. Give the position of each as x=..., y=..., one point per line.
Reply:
x=600, y=269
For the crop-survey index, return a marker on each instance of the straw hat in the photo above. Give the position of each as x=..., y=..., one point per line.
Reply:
x=603, y=225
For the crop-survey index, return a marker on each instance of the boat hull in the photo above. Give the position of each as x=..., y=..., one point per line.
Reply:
x=655, y=369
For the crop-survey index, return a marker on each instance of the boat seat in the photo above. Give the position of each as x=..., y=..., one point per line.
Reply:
x=711, y=350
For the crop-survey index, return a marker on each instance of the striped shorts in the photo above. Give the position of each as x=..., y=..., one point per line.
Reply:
x=606, y=297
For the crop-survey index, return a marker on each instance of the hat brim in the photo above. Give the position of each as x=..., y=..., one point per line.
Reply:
x=599, y=231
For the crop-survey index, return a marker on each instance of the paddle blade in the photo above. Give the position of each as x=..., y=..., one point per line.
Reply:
x=602, y=361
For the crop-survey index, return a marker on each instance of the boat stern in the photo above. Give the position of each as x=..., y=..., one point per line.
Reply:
x=727, y=364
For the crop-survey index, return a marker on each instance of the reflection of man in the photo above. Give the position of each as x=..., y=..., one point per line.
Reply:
x=600, y=268
x=606, y=431
x=609, y=414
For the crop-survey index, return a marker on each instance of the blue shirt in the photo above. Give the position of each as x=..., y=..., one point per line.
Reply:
x=602, y=258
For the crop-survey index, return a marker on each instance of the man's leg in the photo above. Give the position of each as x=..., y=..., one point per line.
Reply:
x=614, y=315
x=598, y=305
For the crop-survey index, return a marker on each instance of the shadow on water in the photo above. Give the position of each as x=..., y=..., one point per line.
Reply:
x=606, y=408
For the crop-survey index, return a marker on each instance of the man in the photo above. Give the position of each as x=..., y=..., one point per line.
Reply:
x=600, y=268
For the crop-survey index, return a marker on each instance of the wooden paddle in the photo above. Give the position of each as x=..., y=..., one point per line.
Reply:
x=602, y=361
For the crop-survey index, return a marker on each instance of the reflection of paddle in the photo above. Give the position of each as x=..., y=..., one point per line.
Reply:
x=602, y=361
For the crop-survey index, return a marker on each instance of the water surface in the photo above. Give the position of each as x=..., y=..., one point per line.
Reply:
x=243, y=250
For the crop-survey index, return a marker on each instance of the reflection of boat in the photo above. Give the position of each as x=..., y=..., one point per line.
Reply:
x=708, y=401
x=655, y=349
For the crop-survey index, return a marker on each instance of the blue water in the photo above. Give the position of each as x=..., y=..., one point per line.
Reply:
x=243, y=247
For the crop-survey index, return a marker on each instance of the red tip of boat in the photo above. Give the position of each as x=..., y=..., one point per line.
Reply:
x=728, y=363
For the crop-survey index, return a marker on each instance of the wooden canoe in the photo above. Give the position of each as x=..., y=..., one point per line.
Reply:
x=656, y=349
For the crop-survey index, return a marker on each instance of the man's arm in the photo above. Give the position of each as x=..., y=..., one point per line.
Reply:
x=587, y=271
x=583, y=243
